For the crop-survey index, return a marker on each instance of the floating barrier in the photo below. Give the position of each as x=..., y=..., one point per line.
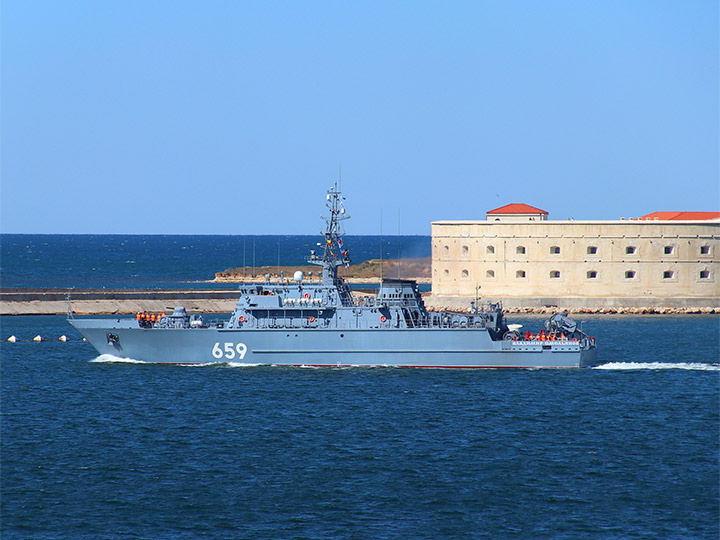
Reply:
x=39, y=338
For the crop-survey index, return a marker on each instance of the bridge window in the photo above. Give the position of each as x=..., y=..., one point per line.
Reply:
x=592, y=250
x=490, y=249
x=554, y=274
x=490, y=273
x=592, y=274
x=630, y=274
x=555, y=250
x=704, y=274
x=668, y=274
x=668, y=250
x=520, y=274
x=520, y=250
x=704, y=250
x=630, y=250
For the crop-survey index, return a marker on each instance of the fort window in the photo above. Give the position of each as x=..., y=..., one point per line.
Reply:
x=465, y=250
x=592, y=274
x=704, y=274
x=704, y=250
x=630, y=274
x=554, y=274
x=668, y=274
x=630, y=250
x=668, y=250
x=447, y=273
x=520, y=250
x=464, y=274
x=592, y=250
x=490, y=273
x=555, y=250
x=520, y=274
x=447, y=250
x=490, y=249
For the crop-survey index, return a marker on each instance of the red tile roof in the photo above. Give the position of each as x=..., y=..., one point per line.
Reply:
x=694, y=216
x=517, y=208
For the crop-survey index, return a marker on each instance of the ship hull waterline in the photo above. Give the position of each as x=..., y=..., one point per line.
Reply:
x=417, y=348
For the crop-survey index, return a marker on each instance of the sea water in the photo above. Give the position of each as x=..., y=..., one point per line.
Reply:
x=100, y=448
x=169, y=261
x=97, y=447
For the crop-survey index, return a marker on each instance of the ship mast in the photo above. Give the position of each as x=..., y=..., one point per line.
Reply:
x=334, y=254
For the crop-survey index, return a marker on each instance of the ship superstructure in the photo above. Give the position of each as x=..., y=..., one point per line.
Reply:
x=320, y=322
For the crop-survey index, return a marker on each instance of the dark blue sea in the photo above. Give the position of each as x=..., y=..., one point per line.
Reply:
x=94, y=448
x=168, y=261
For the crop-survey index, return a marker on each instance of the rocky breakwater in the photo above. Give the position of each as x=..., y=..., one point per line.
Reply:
x=112, y=302
x=596, y=311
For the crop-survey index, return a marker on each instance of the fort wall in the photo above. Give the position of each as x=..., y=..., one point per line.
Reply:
x=634, y=263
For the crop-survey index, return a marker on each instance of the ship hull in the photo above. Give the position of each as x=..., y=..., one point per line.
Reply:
x=422, y=348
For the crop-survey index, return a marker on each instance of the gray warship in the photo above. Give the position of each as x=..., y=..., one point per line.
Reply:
x=319, y=322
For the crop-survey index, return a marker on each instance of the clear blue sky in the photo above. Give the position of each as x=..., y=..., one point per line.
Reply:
x=232, y=117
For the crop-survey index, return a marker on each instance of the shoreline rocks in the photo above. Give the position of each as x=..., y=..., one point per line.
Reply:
x=595, y=311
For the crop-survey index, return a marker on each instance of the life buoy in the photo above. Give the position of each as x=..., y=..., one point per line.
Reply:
x=306, y=296
x=241, y=318
x=383, y=318
x=311, y=319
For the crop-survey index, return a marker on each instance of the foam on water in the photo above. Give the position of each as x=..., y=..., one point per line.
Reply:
x=109, y=358
x=695, y=366
x=237, y=364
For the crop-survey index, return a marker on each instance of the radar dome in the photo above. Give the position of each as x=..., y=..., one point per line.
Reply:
x=298, y=276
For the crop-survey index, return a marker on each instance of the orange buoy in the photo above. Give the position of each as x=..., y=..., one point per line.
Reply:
x=306, y=296
x=241, y=318
x=311, y=318
x=383, y=318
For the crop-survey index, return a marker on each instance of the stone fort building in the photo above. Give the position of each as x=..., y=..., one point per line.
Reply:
x=517, y=255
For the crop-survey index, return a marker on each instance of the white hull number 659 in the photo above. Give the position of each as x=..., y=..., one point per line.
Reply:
x=229, y=350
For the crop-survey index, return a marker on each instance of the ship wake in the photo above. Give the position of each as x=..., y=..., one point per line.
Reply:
x=692, y=366
x=111, y=359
